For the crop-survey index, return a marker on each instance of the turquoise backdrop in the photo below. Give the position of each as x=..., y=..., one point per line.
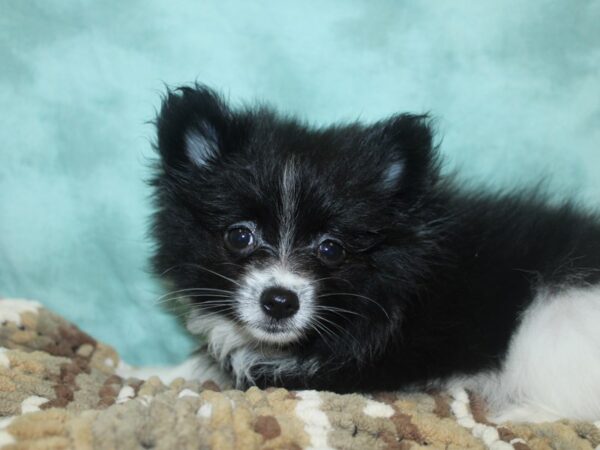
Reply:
x=515, y=86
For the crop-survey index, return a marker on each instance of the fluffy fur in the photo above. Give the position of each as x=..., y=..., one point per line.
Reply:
x=439, y=285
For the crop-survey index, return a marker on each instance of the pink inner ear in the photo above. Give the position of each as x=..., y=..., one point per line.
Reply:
x=392, y=174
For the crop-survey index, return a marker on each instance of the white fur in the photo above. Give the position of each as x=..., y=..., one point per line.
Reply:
x=392, y=175
x=248, y=362
x=552, y=368
x=242, y=347
x=201, y=147
x=222, y=335
x=250, y=311
x=242, y=363
x=288, y=210
x=227, y=342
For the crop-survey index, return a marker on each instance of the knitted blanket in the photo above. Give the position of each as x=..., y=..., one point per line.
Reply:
x=59, y=390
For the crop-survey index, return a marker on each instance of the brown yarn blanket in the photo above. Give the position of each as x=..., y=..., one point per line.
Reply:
x=59, y=390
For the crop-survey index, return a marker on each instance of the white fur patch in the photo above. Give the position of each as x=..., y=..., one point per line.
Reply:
x=250, y=311
x=288, y=211
x=222, y=335
x=552, y=369
x=242, y=362
x=247, y=356
x=316, y=423
x=11, y=309
x=248, y=362
x=392, y=175
x=201, y=147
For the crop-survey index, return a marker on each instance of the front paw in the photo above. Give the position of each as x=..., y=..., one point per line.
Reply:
x=247, y=381
x=251, y=368
x=260, y=375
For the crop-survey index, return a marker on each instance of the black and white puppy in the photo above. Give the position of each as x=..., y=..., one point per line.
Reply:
x=339, y=258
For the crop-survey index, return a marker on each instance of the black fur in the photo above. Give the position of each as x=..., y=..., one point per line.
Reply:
x=449, y=270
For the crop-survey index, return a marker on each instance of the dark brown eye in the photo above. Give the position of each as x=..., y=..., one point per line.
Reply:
x=331, y=252
x=239, y=239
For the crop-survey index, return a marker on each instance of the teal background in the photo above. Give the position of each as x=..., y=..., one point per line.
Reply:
x=515, y=86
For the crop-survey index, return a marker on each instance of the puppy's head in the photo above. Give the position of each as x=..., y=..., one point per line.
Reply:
x=293, y=235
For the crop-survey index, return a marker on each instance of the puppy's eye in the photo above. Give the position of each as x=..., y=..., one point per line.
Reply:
x=239, y=239
x=331, y=252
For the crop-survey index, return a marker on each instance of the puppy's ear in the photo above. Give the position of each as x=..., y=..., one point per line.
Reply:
x=408, y=157
x=192, y=127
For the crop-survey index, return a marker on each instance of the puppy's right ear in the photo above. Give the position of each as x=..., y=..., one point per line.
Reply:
x=192, y=126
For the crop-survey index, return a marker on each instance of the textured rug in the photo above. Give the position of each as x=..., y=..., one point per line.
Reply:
x=59, y=390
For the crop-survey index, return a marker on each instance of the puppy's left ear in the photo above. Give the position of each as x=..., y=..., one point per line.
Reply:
x=193, y=125
x=409, y=160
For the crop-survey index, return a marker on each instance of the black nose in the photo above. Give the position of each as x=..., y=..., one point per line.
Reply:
x=279, y=303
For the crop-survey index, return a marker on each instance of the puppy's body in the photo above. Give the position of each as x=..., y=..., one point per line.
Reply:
x=340, y=259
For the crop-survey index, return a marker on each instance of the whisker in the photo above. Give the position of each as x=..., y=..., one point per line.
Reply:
x=212, y=309
x=172, y=299
x=206, y=294
x=336, y=310
x=337, y=326
x=208, y=315
x=349, y=294
x=214, y=304
x=198, y=266
x=232, y=264
x=169, y=269
x=215, y=311
x=195, y=289
x=332, y=334
x=332, y=323
x=333, y=278
x=314, y=326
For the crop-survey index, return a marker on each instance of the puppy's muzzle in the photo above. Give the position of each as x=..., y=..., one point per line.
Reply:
x=279, y=303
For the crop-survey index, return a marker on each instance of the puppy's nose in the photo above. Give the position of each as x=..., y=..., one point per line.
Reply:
x=279, y=303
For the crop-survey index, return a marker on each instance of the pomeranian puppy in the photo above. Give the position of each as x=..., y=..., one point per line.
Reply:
x=339, y=258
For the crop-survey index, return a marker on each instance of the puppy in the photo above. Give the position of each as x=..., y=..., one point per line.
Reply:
x=339, y=258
